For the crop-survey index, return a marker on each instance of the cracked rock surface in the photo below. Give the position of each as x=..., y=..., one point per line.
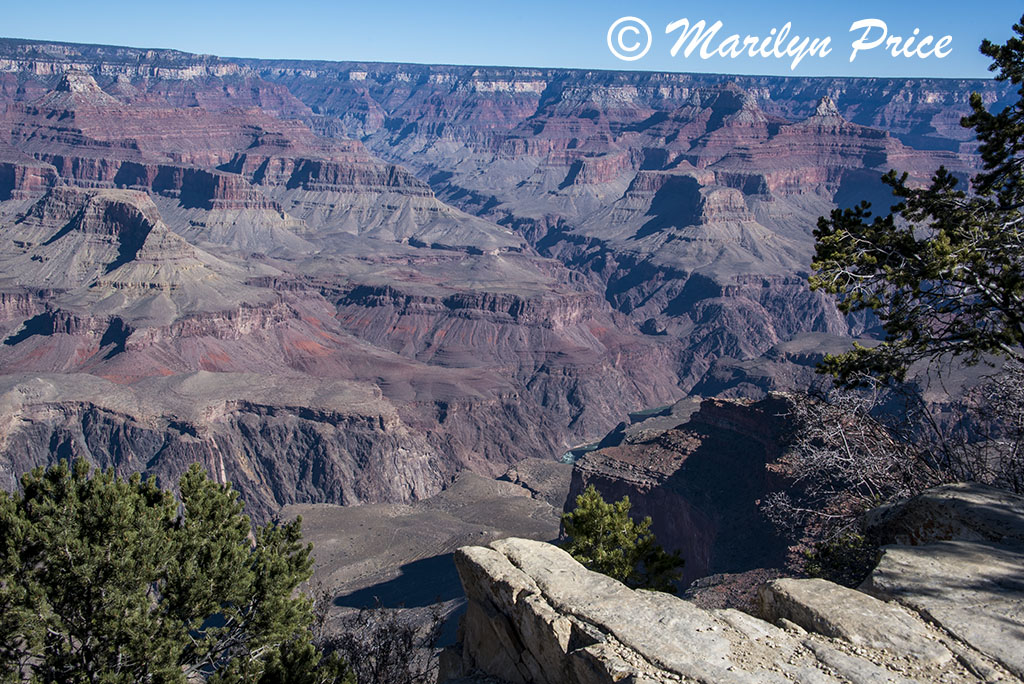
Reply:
x=948, y=611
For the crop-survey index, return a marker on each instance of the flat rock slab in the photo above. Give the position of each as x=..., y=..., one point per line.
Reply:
x=862, y=620
x=536, y=615
x=974, y=590
x=856, y=670
x=966, y=511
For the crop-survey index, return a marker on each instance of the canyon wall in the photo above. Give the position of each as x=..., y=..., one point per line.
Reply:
x=513, y=258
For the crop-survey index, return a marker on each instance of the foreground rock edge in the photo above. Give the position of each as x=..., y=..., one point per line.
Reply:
x=537, y=615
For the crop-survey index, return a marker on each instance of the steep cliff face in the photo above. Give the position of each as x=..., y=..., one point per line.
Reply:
x=699, y=474
x=22, y=177
x=279, y=440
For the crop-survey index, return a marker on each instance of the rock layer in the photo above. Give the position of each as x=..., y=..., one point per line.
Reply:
x=515, y=258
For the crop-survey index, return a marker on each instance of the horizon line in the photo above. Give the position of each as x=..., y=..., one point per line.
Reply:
x=236, y=59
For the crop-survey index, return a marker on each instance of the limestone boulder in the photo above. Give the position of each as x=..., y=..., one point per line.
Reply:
x=826, y=608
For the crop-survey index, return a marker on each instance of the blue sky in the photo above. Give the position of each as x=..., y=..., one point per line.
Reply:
x=520, y=33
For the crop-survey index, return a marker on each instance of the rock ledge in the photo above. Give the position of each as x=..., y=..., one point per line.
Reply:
x=536, y=615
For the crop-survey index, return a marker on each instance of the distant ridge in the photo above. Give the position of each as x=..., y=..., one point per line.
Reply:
x=69, y=52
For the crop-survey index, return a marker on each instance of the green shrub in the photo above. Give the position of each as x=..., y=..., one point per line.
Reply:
x=111, y=580
x=604, y=538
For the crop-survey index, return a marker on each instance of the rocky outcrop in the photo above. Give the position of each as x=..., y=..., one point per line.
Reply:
x=278, y=440
x=77, y=89
x=968, y=512
x=699, y=475
x=104, y=239
x=955, y=556
x=536, y=615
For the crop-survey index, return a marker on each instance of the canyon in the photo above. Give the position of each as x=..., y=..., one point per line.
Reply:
x=348, y=283
x=390, y=298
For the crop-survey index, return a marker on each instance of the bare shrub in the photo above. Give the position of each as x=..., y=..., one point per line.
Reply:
x=852, y=450
x=842, y=460
x=998, y=448
x=384, y=645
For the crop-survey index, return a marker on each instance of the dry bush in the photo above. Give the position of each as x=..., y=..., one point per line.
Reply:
x=851, y=451
x=382, y=645
x=997, y=450
x=843, y=459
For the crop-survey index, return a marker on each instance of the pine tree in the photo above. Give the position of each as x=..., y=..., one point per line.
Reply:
x=605, y=539
x=111, y=580
x=944, y=270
